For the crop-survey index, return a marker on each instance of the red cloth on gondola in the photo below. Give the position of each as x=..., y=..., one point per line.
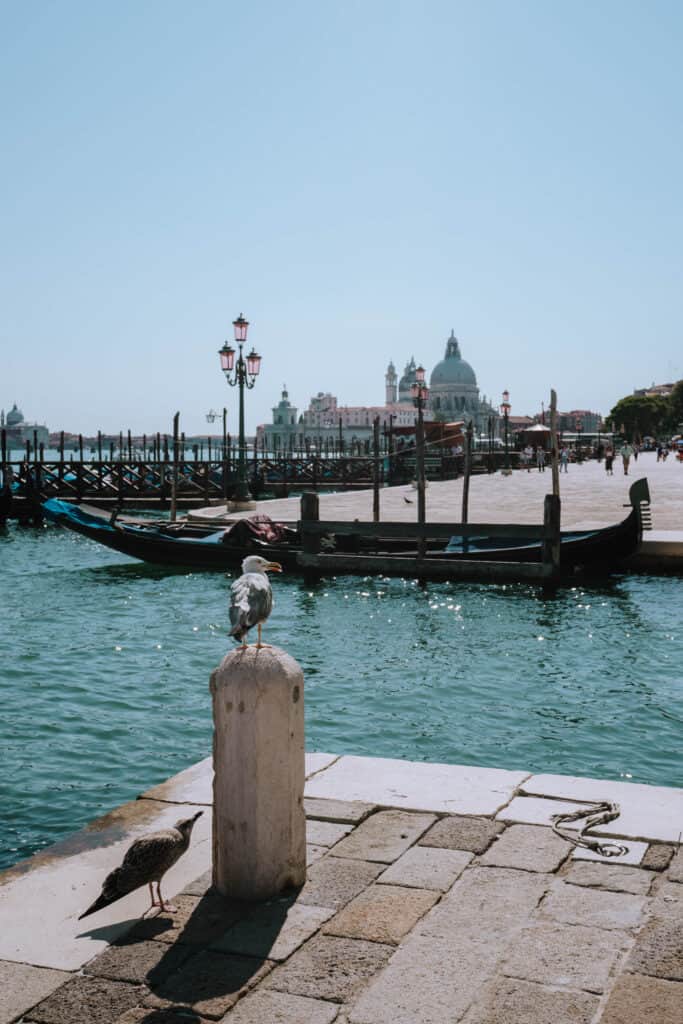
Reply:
x=257, y=528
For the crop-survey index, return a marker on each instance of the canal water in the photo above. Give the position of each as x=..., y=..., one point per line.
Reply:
x=104, y=668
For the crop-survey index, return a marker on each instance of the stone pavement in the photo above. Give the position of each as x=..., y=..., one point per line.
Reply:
x=590, y=498
x=436, y=894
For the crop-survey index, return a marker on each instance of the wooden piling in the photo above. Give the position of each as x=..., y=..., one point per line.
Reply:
x=466, y=481
x=174, y=480
x=375, y=470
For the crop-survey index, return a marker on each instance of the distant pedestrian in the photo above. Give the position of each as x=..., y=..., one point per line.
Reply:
x=609, y=461
x=626, y=452
x=564, y=460
x=540, y=459
x=635, y=452
x=529, y=452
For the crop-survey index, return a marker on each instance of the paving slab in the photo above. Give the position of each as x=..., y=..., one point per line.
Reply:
x=418, y=786
x=569, y=956
x=636, y=999
x=41, y=898
x=658, y=856
x=427, y=867
x=675, y=872
x=527, y=848
x=382, y=913
x=384, y=836
x=314, y=853
x=331, y=968
x=351, y=812
x=658, y=950
x=539, y=810
x=200, y=886
x=666, y=901
x=138, y=962
x=274, y=931
x=333, y=882
x=326, y=833
x=194, y=785
x=197, y=920
x=85, y=1000
x=280, y=1008
x=634, y=852
x=609, y=877
x=462, y=833
x=485, y=902
x=441, y=967
x=647, y=812
x=511, y=1001
x=574, y=904
x=209, y=983
x=143, y=1015
x=22, y=986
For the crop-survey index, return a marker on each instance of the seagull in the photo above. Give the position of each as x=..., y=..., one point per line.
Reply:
x=147, y=860
x=251, y=598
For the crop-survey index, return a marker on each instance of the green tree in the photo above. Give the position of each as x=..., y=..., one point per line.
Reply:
x=640, y=415
x=675, y=403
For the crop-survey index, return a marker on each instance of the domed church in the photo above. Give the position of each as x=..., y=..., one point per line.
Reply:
x=454, y=394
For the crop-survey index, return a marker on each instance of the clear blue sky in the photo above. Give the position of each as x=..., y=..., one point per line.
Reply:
x=357, y=178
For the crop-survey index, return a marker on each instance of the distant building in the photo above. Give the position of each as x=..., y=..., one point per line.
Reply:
x=18, y=431
x=590, y=422
x=454, y=394
x=282, y=434
x=655, y=390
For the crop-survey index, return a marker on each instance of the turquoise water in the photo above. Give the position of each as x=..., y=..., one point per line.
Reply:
x=105, y=667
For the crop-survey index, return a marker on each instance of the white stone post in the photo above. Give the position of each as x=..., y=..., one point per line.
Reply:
x=259, y=825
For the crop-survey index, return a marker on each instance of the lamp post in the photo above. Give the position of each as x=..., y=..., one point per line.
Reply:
x=505, y=411
x=246, y=371
x=579, y=429
x=420, y=394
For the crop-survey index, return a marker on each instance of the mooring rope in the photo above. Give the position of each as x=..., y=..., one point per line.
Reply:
x=597, y=814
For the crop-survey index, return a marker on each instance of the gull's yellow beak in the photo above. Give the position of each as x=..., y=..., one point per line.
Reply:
x=274, y=567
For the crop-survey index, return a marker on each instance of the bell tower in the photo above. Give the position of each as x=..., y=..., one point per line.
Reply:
x=391, y=381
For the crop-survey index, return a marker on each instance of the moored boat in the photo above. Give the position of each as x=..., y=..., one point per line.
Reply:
x=377, y=546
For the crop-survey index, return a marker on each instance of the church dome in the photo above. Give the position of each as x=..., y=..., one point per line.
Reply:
x=15, y=416
x=453, y=370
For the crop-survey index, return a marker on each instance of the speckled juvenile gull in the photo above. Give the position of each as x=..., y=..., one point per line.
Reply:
x=147, y=860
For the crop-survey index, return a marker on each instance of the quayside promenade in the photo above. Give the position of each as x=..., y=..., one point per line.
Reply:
x=590, y=498
x=436, y=894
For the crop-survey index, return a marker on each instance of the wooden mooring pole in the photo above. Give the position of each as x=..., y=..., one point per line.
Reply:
x=466, y=480
x=375, y=470
x=174, y=480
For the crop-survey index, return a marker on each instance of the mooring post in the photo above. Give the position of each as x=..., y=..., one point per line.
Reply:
x=551, y=532
x=259, y=825
x=375, y=470
x=174, y=481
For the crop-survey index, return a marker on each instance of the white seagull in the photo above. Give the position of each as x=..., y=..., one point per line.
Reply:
x=251, y=598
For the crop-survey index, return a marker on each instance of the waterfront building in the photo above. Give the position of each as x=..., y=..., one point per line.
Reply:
x=454, y=396
x=591, y=422
x=283, y=433
x=454, y=393
x=18, y=431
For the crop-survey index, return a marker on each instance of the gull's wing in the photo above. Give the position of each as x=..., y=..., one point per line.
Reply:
x=251, y=602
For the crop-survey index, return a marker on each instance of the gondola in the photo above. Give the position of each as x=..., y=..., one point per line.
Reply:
x=206, y=547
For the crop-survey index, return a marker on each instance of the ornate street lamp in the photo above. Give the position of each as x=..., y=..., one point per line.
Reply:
x=246, y=370
x=420, y=395
x=505, y=412
x=579, y=429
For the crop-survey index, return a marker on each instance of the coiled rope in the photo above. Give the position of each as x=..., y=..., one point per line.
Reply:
x=598, y=814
